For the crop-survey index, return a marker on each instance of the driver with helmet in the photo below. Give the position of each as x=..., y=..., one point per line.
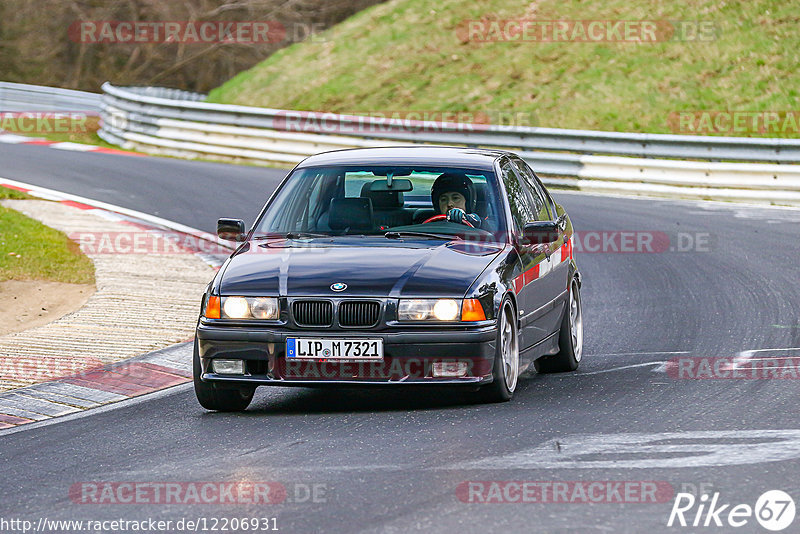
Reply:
x=453, y=195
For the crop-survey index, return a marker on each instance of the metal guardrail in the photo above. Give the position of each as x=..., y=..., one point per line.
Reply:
x=167, y=103
x=181, y=123
x=18, y=97
x=177, y=123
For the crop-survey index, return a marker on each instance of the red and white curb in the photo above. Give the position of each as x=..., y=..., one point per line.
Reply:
x=15, y=139
x=113, y=382
x=96, y=387
x=143, y=221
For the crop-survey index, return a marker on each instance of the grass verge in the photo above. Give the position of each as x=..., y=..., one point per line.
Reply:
x=29, y=250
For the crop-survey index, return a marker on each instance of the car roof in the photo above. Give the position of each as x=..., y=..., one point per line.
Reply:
x=440, y=156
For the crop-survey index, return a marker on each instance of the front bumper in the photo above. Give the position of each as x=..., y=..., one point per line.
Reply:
x=409, y=357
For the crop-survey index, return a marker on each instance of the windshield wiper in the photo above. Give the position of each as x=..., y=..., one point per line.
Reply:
x=299, y=235
x=401, y=233
x=290, y=235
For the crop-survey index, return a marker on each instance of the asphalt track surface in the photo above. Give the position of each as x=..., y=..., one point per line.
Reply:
x=393, y=460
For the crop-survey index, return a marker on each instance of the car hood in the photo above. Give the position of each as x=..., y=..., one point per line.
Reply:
x=370, y=268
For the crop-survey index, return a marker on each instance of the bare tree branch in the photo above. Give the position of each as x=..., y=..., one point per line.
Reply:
x=39, y=40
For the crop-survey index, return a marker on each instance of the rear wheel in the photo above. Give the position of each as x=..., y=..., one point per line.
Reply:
x=506, y=359
x=570, y=337
x=213, y=397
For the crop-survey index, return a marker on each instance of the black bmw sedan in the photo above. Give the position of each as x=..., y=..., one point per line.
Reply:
x=393, y=267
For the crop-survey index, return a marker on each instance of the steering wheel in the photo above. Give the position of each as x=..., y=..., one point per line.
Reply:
x=441, y=217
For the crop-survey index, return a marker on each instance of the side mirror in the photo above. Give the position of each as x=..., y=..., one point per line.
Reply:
x=541, y=232
x=231, y=229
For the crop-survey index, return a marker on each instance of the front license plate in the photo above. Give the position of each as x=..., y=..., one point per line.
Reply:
x=335, y=349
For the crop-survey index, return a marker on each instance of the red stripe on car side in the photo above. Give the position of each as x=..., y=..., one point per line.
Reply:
x=531, y=274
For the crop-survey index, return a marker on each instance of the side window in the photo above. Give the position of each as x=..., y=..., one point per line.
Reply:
x=537, y=194
x=521, y=209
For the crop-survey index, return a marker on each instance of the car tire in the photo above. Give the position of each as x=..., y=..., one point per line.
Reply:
x=506, y=358
x=570, y=337
x=213, y=397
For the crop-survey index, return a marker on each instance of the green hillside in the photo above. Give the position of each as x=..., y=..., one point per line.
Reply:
x=413, y=55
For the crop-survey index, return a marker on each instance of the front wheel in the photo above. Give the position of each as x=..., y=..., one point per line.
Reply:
x=213, y=397
x=570, y=337
x=506, y=359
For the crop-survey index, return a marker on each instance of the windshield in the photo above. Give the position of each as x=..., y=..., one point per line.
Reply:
x=376, y=200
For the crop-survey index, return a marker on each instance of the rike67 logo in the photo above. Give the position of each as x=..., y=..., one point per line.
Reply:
x=774, y=510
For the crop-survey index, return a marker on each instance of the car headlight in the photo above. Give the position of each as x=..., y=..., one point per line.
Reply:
x=235, y=308
x=429, y=310
x=264, y=308
x=245, y=308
